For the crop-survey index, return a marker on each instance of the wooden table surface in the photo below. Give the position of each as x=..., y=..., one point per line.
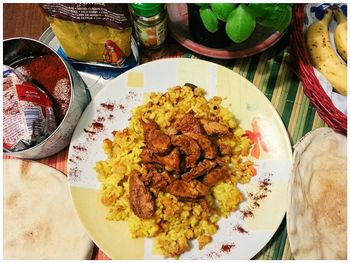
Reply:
x=24, y=20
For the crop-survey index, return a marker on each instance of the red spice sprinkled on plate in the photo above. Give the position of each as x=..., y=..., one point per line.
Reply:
x=79, y=148
x=97, y=125
x=259, y=197
x=226, y=248
x=72, y=161
x=240, y=229
x=101, y=119
x=256, y=197
x=213, y=254
x=88, y=131
x=78, y=157
x=90, y=135
x=264, y=184
x=74, y=174
x=108, y=106
x=121, y=107
x=131, y=95
x=111, y=116
x=247, y=213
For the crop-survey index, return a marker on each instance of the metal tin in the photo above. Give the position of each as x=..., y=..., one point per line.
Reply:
x=18, y=49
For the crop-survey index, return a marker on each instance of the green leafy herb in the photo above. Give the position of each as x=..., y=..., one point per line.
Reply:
x=209, y=19
x=222, y=10
x=240, y=24
x=241, y=19
x=278, y=17
x=203, y=4
x=258, y=10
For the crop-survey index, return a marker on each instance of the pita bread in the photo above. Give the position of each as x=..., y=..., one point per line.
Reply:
x=39, y=219
x=317, y=192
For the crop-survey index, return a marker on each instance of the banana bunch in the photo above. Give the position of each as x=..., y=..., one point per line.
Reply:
x=340, y=33
x=323, y=56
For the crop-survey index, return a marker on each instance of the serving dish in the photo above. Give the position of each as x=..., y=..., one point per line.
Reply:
x=244, y=233
x=261, y=39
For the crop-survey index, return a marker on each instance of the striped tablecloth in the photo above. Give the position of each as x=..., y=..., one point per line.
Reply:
x=271, y=72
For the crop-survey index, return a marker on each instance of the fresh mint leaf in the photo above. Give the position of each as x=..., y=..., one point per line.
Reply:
x=240, y=24
x=222, y=10
x=278, y=17
x=258, y=10
x=203, y=4
x=209, y=19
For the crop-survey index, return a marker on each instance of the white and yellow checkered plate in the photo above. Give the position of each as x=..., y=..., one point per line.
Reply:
x=110, y=110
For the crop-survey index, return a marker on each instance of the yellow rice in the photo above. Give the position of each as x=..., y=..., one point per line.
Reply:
x=175, y=222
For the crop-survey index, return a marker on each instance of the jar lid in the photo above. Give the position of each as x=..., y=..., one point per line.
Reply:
x=147, y=10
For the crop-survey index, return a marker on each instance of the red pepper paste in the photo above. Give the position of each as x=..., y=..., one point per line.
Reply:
x=49, y=73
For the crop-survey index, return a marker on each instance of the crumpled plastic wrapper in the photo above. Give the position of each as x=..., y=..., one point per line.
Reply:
x=28, y=116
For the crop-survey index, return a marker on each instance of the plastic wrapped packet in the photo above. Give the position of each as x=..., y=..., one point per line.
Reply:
x=28, y=116
x=94, y=33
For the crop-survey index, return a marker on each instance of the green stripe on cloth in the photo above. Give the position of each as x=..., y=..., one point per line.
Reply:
x=252, y=68
x=273, y=76
x=289, y=103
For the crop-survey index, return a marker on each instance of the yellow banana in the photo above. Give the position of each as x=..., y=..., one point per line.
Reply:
x=323, y=57
x=340, y=33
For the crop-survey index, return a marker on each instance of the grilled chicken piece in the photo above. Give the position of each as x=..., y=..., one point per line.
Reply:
x=215, y=128
x=146, y=178
x=221, y=163
x=189, y=147
x=216, y=175
x=156, y=140
x=159, y=180
x=188, y=190
x=189, y=124
x=147, y=156
x=171, y=131
x=202, y=168
x=140, y=198
x=170, y=162
x=225, y=149
x=191, y=127
x=207, y=145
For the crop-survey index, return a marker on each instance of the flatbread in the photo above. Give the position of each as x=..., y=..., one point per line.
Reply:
x=39, y=219
x=317, y=192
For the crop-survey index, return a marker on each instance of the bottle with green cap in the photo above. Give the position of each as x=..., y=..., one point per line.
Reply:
x=150, y=24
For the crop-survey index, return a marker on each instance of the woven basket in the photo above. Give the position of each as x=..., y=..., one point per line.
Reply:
x=311, y=86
